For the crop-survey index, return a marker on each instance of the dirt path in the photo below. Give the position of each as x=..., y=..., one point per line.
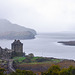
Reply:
x=10, y=65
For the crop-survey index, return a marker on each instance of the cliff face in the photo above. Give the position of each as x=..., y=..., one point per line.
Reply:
x=14, y=31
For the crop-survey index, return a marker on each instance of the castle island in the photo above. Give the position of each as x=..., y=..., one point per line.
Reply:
x=16, y=50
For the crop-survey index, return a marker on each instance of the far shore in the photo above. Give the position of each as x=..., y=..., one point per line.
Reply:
x=69, y=43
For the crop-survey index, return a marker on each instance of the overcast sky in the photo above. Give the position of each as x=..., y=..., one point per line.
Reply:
x=41, y=15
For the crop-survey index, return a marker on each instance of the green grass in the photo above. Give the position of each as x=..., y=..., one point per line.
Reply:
x=19, y=59
x=33, y=60
x=22, y=58
x=56, y=60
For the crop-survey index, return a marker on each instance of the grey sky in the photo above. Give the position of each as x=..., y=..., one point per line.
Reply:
x=41, y=15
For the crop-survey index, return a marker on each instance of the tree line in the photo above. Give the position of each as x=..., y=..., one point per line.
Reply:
x=18, y=72
x=53, y=70
x=56, y=70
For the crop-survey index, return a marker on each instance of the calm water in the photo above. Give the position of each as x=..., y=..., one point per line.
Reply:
x=46, y=45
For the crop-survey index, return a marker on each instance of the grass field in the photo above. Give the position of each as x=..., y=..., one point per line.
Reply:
x=41, y=66
x=19, y=59
x=36, y=60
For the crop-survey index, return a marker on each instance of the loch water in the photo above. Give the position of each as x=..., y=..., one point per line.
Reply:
x=46, y=45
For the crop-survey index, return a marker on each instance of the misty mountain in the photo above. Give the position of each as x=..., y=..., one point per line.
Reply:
x=14, y=31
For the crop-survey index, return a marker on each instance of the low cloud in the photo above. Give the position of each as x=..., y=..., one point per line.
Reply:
x=42, y=15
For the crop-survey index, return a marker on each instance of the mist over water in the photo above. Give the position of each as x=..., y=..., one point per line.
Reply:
x=46, y=45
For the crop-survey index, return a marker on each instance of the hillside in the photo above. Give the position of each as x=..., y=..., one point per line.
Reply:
x=14, y=31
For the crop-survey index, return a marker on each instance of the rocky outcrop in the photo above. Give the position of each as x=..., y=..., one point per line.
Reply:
x=70, y=43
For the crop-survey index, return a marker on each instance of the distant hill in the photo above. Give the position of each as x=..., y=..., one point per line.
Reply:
x=14, y=31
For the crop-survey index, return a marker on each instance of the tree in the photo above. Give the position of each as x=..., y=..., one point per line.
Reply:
x=22, y=72
x=64, y=72
x=2, y=71
x=53, y=70
x=31, y=55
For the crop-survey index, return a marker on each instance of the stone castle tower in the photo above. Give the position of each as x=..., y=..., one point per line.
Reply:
x=17, y=46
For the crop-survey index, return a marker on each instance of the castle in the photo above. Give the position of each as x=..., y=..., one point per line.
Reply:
x=16, y=50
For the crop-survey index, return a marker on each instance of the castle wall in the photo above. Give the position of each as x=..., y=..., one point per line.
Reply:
x=5, y=53
x=16, y=50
